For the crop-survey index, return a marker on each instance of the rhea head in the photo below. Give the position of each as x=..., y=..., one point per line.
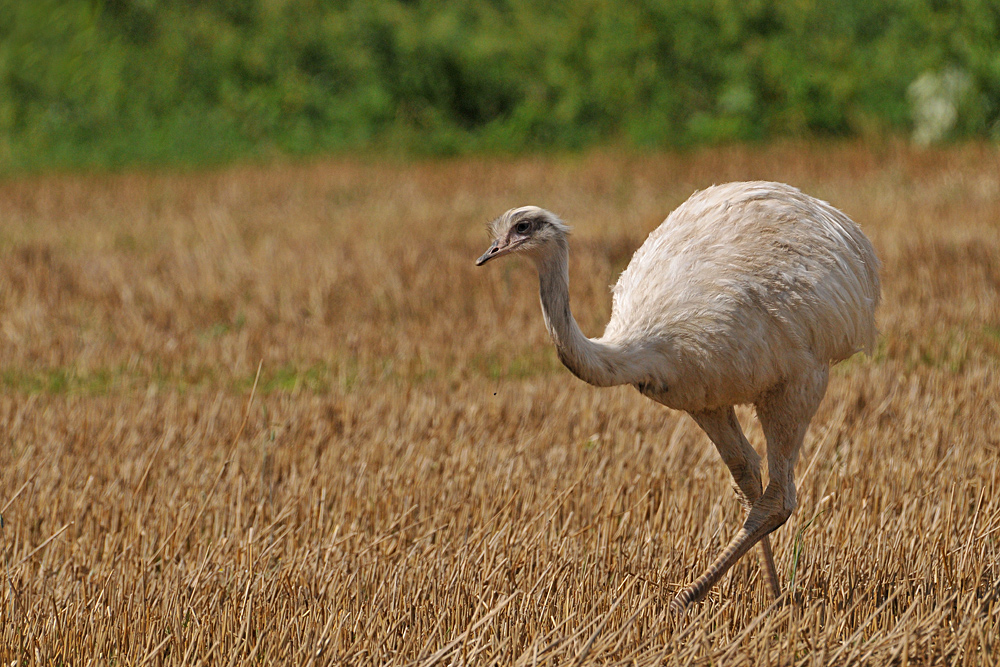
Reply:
x=529, y=230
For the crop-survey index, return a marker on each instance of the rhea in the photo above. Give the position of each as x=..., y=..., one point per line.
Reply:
x=745, y=294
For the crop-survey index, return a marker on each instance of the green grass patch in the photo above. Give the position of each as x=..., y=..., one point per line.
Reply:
x=517, y=366
x=62, y=381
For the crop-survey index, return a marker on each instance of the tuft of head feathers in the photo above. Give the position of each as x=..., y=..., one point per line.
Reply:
x=502, y=224
x=527, y=229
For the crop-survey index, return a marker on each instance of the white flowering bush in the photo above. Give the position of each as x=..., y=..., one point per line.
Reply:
x=936, y=101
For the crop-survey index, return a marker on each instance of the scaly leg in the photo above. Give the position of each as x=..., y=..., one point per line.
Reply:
x=785, y=414
x=723, y=429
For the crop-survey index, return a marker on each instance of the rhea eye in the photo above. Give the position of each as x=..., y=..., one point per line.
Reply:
x=522, y=227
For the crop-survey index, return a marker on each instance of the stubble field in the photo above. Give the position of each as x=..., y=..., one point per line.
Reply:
x=416, y=479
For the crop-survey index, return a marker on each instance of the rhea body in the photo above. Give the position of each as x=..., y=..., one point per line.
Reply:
x=745, y=294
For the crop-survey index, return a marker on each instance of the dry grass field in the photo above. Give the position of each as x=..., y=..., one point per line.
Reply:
x=417, y=480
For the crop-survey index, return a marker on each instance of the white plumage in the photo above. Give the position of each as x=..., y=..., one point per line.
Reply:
x=744, y=294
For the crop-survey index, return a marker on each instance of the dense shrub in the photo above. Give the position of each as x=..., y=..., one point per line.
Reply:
x=177, y=81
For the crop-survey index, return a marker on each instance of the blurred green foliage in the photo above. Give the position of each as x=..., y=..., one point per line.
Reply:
x=113, y=82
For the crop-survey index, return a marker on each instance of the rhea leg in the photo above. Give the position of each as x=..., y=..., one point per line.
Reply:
x=784, y=413
x=724, y=431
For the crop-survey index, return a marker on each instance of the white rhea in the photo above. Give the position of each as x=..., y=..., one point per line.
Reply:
x=744, y=294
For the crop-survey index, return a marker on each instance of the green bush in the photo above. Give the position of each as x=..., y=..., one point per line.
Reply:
x=86, y=83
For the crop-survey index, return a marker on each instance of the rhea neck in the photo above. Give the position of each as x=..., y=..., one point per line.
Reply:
x=593, y=361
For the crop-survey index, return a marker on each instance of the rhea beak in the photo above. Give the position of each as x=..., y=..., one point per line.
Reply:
x=494, y=251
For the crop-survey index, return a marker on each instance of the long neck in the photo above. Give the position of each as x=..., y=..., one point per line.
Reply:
x=590, y=360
